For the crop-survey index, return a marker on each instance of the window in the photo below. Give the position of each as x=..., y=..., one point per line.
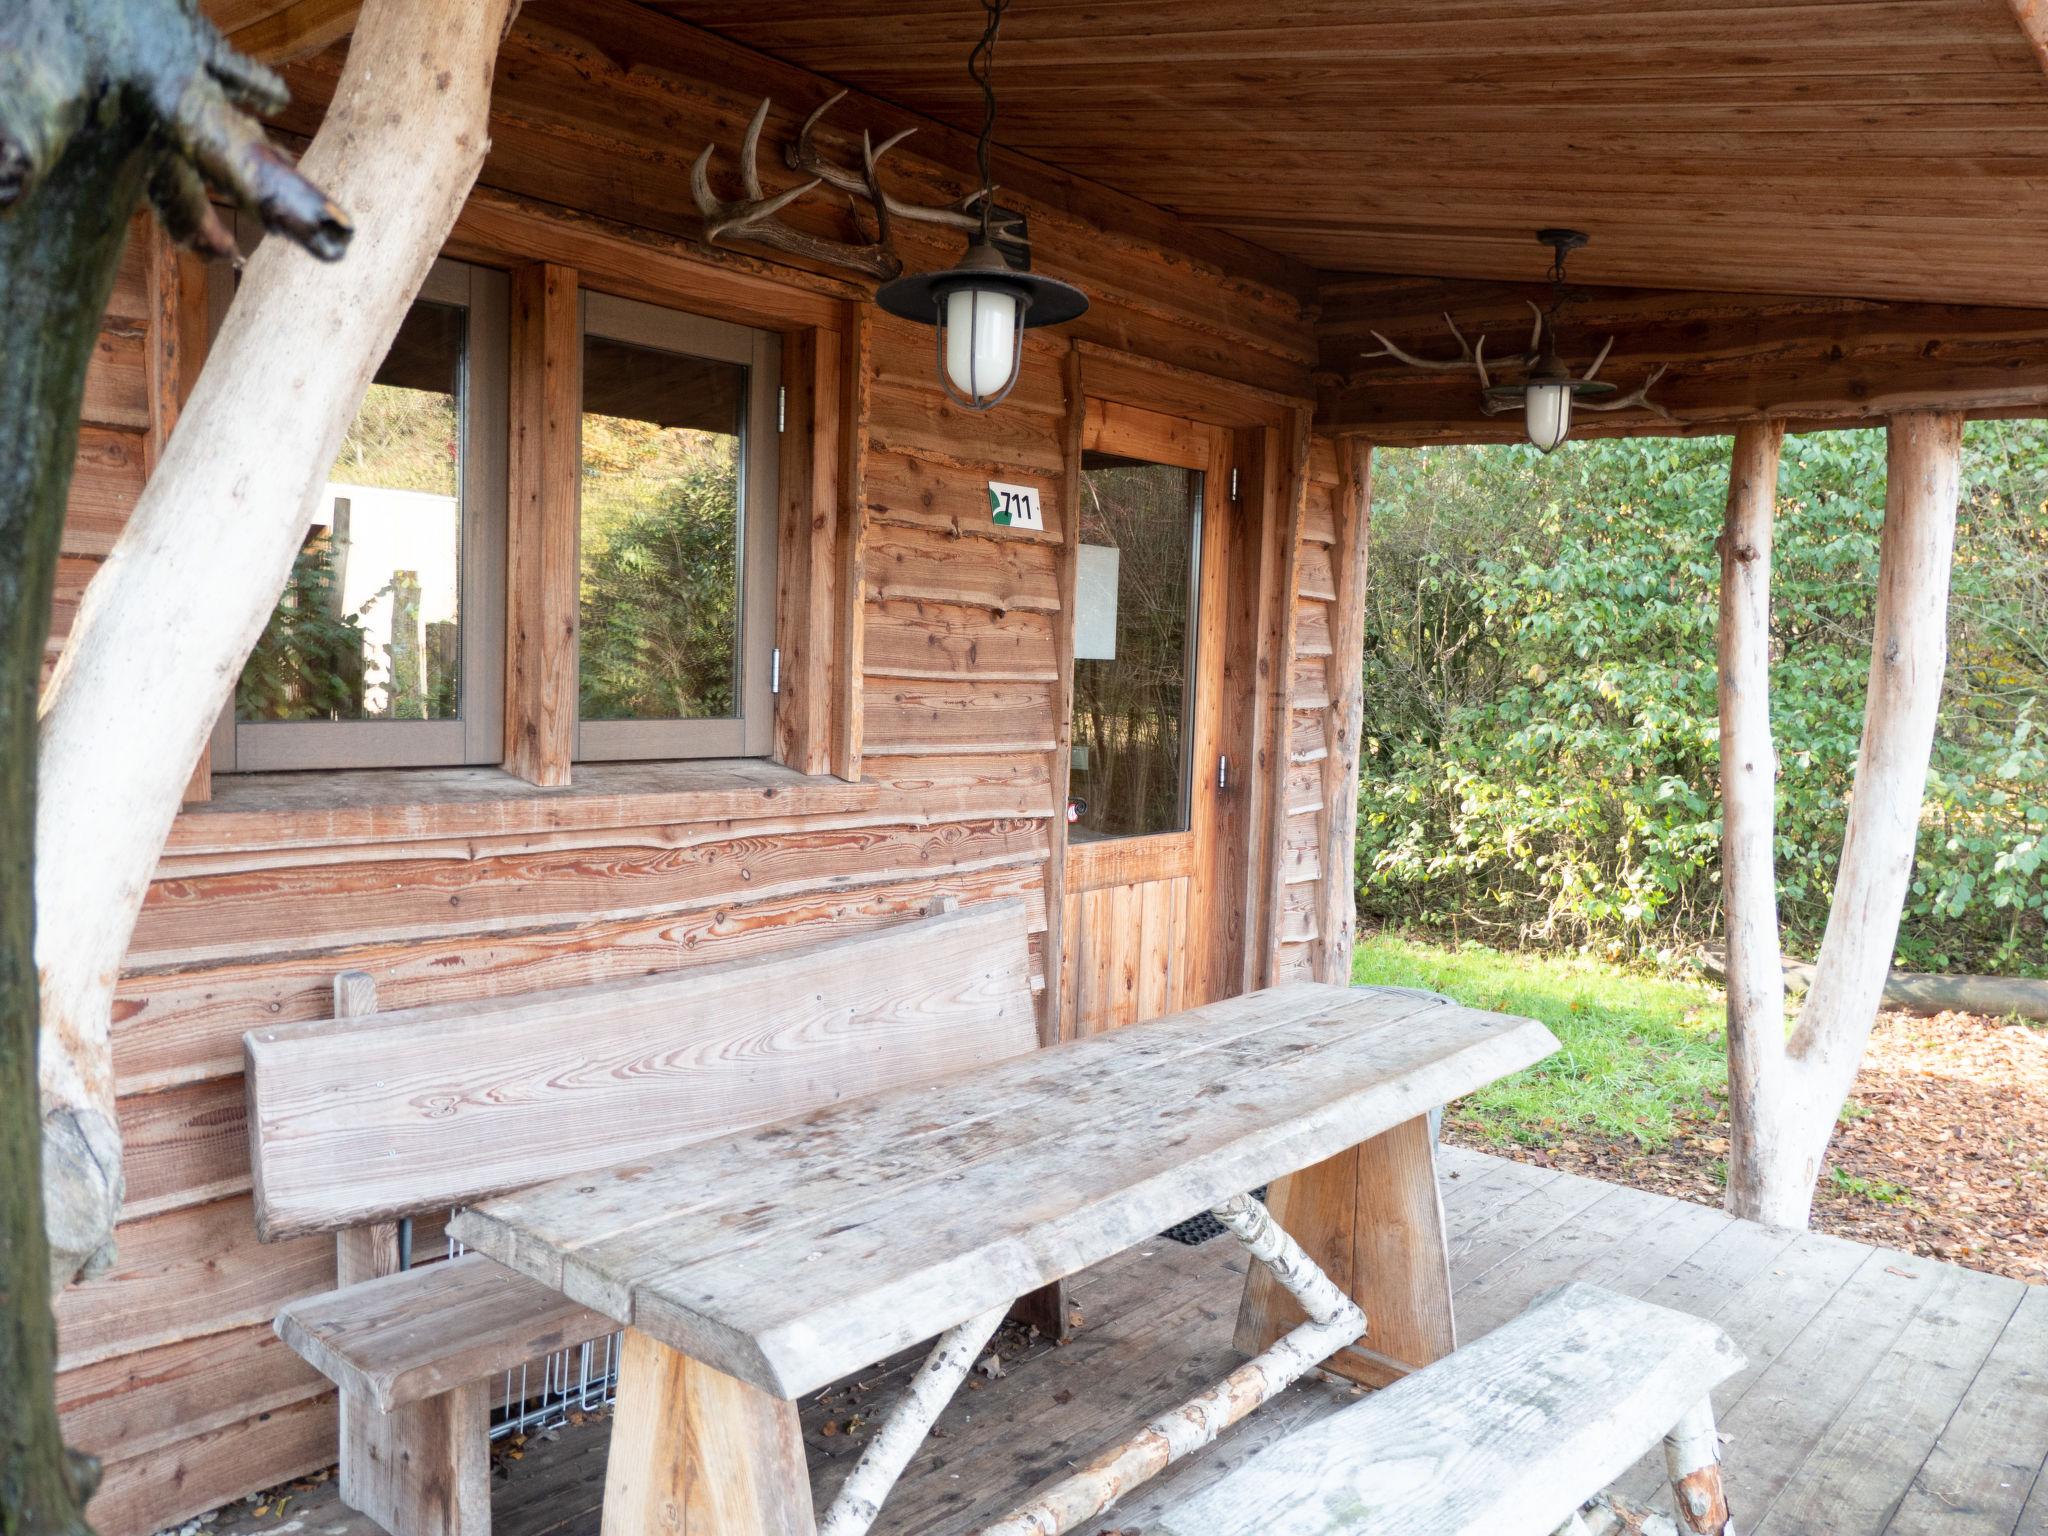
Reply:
x=387, y=647
x=676, y=599
x=386, y=644
x=1134, y=646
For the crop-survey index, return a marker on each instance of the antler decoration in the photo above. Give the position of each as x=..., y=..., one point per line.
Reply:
x=804, y=156
x=1473, y=356
x=755, y=218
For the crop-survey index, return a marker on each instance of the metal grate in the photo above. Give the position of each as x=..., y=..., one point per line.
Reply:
x=1197, y=1230
x=542, y=1393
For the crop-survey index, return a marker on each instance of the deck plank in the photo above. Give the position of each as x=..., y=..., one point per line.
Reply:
x=1989, y=1456
x=1868, y=1456
x=1791, y=1405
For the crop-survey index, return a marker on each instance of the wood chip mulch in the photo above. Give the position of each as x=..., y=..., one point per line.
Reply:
x=1943, y=1151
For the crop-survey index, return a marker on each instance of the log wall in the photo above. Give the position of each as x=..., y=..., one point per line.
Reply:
x=446, y=884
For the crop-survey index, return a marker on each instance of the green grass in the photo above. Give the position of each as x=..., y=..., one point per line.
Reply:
x=1637, y=1051
x=1876, y=1191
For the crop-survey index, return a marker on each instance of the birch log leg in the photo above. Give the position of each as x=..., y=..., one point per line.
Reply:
x=1692, y=1456
x=167, y=622
x=1373, y=1219
x=1331, y=1320
x=1783, y=1098
x=696, y=1452
x=882, y=1463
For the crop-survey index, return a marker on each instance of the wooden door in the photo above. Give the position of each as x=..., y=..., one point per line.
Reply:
x=1142, y=893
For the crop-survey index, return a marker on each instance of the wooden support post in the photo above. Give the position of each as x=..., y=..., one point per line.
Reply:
x=807, y=561
x=1294, y=508
x=1055, y=1025
x=423, y=1469
x=696, y=1452
x=542, y=555
x=1337, y=897
x=1372, y=1218
x=856, y=363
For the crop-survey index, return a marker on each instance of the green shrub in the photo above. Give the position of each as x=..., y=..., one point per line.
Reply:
x=1541, y=719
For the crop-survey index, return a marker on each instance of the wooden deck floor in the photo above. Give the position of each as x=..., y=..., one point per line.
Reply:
x=1884, y=1393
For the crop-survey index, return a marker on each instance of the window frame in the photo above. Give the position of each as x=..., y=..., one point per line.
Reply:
x=477, y=734
x=751, y=733
x=1192, y=651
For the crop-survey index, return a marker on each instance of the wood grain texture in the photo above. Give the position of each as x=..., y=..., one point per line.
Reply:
x=886, y=1220
x=855, y=406
x=807, y=556
x=1372, y=1218
x=359, y=1120
x=186, y=1026
x=406, y=1337
x=1506, y=1438
x=696, y=1452
x=1245, y=121
x=423, y=1469
x=543, y=557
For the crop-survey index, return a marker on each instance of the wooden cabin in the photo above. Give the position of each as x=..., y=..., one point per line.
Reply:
x=1822, y=213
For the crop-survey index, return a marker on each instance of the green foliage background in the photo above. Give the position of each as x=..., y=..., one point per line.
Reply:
x=1540, y=713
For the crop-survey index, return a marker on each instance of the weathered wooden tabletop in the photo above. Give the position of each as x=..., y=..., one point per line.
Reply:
x=794, y=1254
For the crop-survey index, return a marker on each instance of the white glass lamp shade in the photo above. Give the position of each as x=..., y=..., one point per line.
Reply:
x=1548, y=414
x=981, y=352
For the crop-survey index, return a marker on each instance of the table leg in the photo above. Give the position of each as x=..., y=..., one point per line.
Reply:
x=696, y=1452
x=1373, y=1219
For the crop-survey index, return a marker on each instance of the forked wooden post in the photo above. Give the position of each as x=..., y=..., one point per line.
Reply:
x=696, y=1452
x=1372, y=1218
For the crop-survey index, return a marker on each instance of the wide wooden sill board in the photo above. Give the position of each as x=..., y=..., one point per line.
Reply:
x=251, y=813
x=794, y=1254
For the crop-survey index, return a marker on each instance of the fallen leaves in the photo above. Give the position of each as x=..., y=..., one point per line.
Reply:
x=1942, y=1150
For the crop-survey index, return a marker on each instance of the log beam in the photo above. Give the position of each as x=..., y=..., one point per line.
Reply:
x=1733, y=357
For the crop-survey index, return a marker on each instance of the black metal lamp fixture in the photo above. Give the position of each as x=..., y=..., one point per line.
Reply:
x=1547, y=393
x=982, y=305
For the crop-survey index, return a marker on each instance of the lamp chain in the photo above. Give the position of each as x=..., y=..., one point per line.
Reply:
x=981, y=65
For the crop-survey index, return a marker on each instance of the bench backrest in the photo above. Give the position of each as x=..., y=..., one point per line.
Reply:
x=359, y=1120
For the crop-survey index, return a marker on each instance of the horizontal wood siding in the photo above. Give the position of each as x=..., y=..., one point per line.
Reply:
x=454, y=884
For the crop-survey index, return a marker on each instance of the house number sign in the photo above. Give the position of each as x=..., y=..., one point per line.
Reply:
x=1014, y=506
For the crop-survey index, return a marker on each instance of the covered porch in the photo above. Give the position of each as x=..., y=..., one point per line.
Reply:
x=1806, y=216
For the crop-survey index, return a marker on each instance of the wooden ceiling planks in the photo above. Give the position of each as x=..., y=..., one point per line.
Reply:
x=1733, y=357
x=1880, y=148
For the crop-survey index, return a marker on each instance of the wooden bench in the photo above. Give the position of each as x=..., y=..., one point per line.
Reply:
x=1506, y=1437
x=372, y=1118
x=759, y=1269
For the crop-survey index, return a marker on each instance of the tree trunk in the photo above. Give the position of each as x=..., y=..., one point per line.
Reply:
x=167, y=623
x=1784, y=1094
x=98, y=98
x=1749, y=781
x=2032, y=15
x=56, y=271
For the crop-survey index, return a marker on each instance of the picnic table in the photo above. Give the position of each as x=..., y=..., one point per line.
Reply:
x=753, y=1270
